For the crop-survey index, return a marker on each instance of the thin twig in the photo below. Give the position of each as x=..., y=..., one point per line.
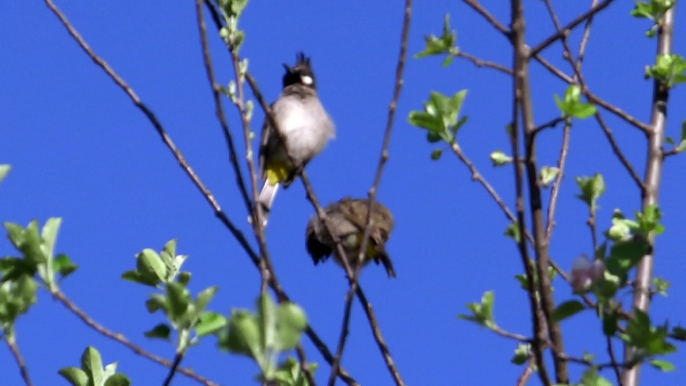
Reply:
x=378, y=337
x=172, y=370
x=478, y=177
x=392, y=107
x=304, y=366
x=613, y=361
x=555, y=190
x=16, y=353
x=490, y=18
x=550, y=124
x=528, y=371
x=62, y=298
x=217, y=96
x=482, y=63
x=158, y=127
x=347, y=308
x=564, y=31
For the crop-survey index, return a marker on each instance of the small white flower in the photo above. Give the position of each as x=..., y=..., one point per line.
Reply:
x=585, y=273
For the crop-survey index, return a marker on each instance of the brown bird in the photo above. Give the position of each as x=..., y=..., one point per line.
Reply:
x=347, y=219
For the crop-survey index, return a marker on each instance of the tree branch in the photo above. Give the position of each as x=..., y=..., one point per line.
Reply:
x=563, y=32
x=650, y=196
x=118, y=337
x=541, y=246
x=16, y=353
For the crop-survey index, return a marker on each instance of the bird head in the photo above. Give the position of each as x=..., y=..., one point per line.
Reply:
x=301, y=73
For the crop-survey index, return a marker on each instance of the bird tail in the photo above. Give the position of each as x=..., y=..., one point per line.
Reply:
x=266, y=198
x=387, y=263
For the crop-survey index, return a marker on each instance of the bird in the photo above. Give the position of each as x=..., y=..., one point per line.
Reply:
x=347, y=218
x=303, y=124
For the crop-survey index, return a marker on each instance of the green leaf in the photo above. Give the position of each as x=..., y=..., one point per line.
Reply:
x=440, y=45
x=63, y=265
x=425, y=121
x=440, y=116
x=548, y=174
x=209, y=323
x=663, y=365
x=591, y=189
x=522, y=354
x=156, y=302
x=624, y=255
x=566, y=310
x=243, y=335
x=592, y=378
x=661, y=285
x=4, y=170
x=204, y=298
x=184, y=278
x=482, y=313
x=291, y=321
x=49, y=235
x=74, y=375
x=150, y=265
x=91, y=363
x=670, y=70
x=679, y=333
x=178, y=299
x=499, y=158
x=436, y=154
x=610, y=323
x=513, y=232
x=139, y=277
x=119, y=379
x=161, y=331
x=572, y=106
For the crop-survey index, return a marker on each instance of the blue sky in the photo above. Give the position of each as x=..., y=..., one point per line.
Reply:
x=81, y=151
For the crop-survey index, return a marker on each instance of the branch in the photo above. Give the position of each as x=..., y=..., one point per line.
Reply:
x=238, y=235
x=217, y=96
x=563, y=32
x=118, y=337
x=523, y=96
x=21, y=363
x=209, y=197
x=653, y=176
x=172, y=370
x=490, y=18
x=482, y=63
x=555, y=191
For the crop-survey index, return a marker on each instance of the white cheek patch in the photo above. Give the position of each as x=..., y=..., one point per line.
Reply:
x=307, y=80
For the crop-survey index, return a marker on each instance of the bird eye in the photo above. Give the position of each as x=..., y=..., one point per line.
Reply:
x=307, y=80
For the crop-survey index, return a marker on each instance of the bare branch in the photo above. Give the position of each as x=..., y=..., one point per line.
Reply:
x=16, y=353
x=217, y=95
x=555, y=190
x=490, y=18
x=482, y=63
x=564, y=31
x=172, y=370
x=653, y=176
x=524, y=102
x=118, y=337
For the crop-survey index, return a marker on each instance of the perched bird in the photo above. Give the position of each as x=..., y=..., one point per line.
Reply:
x=347, y=219
x=304, y=125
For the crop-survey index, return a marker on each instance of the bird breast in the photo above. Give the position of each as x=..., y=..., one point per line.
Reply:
x=304, y=124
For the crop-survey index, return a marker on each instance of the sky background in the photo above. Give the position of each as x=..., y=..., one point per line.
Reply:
x=81, y=151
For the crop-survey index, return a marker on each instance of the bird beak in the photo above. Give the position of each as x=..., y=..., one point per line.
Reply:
x=287, y=67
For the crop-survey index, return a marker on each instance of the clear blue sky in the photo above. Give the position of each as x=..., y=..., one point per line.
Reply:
x=81, y=151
